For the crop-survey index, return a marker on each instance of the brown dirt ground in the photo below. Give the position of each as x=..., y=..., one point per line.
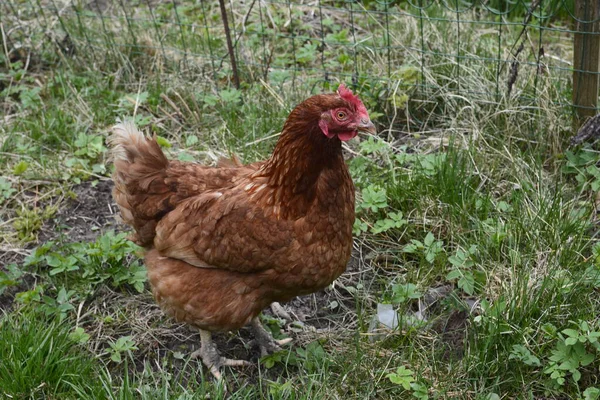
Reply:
x=84, y=218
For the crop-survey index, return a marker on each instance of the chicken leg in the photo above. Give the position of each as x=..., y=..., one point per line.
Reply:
x=280, y=312
x=211, y=357
x=264, y=339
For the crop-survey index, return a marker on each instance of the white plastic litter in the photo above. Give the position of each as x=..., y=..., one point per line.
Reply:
x=387, y=315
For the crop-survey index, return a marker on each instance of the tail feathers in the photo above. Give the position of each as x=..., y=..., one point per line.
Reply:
x=130, y=145
x=140, y=188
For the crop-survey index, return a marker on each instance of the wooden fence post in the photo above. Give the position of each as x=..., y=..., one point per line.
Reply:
x=586, y=60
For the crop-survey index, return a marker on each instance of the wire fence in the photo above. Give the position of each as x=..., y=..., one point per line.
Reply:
x=483, y=50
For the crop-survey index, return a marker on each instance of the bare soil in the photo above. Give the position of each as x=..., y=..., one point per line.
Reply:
x=91, y=213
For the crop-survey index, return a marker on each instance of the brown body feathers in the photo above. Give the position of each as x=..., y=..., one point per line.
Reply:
x=224, y=242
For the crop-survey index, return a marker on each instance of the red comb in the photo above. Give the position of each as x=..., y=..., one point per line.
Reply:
x=347, y=95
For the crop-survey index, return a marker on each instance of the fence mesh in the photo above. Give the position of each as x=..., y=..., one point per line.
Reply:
x=395, y=49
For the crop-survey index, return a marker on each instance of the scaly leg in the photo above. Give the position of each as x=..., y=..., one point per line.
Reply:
x=211, y=357
x=264, y=339
x=279, y=311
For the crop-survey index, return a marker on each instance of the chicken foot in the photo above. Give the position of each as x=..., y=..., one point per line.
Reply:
x=211, y=357
x=264, y=339
x=280, y=312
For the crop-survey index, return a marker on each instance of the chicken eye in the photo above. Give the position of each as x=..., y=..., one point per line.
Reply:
x=341, y=115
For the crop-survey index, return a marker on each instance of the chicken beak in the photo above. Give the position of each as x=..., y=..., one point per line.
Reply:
x=367, y=127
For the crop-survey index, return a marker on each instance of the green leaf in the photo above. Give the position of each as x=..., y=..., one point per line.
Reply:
x=186, y=157
x=230, y=96
x=404, y=292
x=411, y=247
x=191, y=140
x=359, y=226
x=591, y=393
x=65, y=307
x=55, y=271
x=593, y=337
x=587, y=359
x=571, y=332
x=430, y=255
x=382, y=226
x=429, y=239
x=570, y=341
x=270, y=360
x=523, y=354
x=549, y=329
x=162, y=142
x=6, y=189
x=584, y=326
x=454, y=274
x=116, y=356
x=402, y=376
x=373, y=146
x=79, y=335
x=374, y=198
x=568, y=365
x=456, y=261
x=139, y=286
x=62, y=295
x=467, y=283
x=20, y=168
x=54, y=260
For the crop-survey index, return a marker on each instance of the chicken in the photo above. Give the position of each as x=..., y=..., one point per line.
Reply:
x=224, y=242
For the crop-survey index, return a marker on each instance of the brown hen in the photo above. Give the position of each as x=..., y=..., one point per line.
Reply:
x=222, y=243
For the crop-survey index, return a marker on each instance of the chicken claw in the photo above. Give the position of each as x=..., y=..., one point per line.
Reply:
x=211, y=357
x=264, y=339
x=279, y=311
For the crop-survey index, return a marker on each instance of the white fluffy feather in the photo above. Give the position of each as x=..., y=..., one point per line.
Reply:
x=125, y=133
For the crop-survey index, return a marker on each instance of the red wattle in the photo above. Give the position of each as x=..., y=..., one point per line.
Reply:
x=345, y=136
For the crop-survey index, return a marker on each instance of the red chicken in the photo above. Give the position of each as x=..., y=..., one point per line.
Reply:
x=222, y=243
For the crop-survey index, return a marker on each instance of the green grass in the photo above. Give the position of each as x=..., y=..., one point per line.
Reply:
x=476, y=222
x=39, y=360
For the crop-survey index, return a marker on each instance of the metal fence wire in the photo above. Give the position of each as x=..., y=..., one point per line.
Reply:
x=483, y=50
